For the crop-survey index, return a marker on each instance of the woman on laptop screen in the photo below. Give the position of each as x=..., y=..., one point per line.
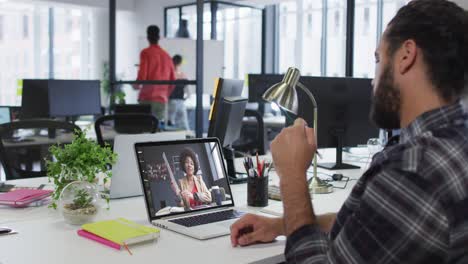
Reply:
x=192, y=187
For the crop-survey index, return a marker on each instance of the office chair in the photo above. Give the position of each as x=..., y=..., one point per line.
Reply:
x=131, y=123
x=258, y=144
x=19, y=154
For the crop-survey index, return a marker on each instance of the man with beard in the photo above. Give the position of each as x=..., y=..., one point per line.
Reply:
x=411, y=205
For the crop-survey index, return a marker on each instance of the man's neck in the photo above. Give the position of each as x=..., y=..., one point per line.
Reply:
x=415, y=104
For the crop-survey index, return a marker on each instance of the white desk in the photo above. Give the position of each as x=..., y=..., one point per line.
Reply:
x=44, y=237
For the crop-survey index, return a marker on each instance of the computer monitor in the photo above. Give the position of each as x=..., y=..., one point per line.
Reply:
x=343, y=110
x=229, y=116
x=71, y=98
x=343, y=114
x=5, y=115
x=226, y=115
x=227, y=129
x=35, y=99
x=259, y=83
x=223, y=88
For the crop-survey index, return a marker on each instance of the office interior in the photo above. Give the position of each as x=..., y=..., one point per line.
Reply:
x=255, y=41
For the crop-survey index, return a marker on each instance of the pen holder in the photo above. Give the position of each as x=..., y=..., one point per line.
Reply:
x=257, y=191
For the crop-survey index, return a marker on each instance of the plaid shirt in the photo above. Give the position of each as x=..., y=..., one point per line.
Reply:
x=410, y=206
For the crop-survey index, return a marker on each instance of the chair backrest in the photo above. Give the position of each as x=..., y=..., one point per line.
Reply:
x=23, y=147
x=131, y=123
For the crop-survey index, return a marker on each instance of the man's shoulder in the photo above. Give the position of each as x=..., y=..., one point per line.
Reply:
x=438, y=157
x=434, y=147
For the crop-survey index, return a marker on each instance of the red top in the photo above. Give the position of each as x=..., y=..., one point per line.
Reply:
x=192, y=201
x=155, y=64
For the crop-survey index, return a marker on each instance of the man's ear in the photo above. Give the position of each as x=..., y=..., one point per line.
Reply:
x=406, y=56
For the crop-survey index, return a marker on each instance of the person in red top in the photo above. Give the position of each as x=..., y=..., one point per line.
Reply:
x=155, y=64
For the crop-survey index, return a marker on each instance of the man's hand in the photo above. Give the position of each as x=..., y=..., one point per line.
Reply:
x=293, y=150
x=254, y=228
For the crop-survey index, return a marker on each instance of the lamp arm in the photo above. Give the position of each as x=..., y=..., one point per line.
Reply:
x=314, y=103
x=311, y=96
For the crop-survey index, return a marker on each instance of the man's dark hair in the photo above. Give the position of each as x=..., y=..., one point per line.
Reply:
x=186, y=153
x=177, y=60
x=440, y=30
x=152, y=33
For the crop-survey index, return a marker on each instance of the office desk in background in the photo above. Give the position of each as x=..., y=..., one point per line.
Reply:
x=43, y=237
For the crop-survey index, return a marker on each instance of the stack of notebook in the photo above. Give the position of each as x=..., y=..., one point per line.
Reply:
x=118, y=233
x=23, y=197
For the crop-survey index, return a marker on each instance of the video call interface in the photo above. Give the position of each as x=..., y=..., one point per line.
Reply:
x=183, y=177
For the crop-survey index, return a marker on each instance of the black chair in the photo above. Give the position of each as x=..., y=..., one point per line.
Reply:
x=253, y=145
x=19, y=154
x=131, y=123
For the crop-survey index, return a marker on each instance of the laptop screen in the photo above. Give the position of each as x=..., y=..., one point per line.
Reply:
x=183, y=176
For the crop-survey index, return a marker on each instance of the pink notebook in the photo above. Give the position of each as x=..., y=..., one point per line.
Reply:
x=23, y=197
x=99, y=239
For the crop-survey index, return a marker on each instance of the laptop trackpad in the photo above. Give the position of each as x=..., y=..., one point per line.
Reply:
x=227, y=223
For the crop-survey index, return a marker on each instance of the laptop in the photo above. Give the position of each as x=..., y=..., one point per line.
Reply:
x=163, y=178
x=125, y=181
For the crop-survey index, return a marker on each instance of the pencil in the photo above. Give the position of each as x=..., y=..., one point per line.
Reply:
x=126, y=247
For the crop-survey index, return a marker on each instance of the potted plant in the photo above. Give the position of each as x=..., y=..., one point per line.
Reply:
x=81, y=160
x=79, y=202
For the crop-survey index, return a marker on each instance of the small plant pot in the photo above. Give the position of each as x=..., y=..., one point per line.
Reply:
x=79, y=202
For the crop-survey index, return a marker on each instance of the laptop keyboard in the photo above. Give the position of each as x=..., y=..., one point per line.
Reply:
x=197, y=220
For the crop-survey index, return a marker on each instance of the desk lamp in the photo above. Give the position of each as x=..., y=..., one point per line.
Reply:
x=284, y=95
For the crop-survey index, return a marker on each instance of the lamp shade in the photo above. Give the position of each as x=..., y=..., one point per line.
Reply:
x=284, y=93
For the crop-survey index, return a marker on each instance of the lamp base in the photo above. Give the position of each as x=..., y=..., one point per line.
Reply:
x=318, y=186
x=337, y=166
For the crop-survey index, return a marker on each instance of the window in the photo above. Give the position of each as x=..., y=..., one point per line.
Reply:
x=309, y=28
x=2, y=22
x=365, y=38
x=26, y=53
x=336, y=41
x=238, y=26
x=288, y=42
x=172, y=22
x=321, y=24
x=390, y=8
x=189, y=13
x=366, y=22
x=19, y=63
x=312, y=43
x=71, y=43
x=25, y=26
x=367, y=34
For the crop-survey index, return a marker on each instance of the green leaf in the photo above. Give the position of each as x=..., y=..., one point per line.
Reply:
x=80, y=160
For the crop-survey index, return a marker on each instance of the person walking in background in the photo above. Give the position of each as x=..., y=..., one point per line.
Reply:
x=155, y=64
x=177, y=111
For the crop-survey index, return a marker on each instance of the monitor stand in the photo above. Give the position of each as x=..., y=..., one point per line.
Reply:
x=234, y=177
x=338, y=165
